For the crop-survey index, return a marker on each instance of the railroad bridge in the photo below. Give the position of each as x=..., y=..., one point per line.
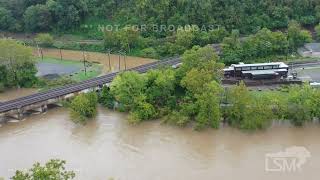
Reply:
x=39, y=102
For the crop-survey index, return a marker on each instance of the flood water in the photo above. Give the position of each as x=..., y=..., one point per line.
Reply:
x=109, y=147
x=11, y=94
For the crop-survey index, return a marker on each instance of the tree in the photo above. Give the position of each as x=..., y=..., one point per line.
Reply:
x=44, y=40
x=37, y=18
x=106, y=98
x=53, y=170
x=142, y=110
x=232, y=48
x=302, y=106
x=196, y=79
x=185, y=36
x=317, y=29
x=208, y=101
x=246, y=111
x=17, y=60
x=296, y=36
x=7, y=21
x=201, y=58
x=83, y=107
x=160, y=86
x=126, y=87
x=128, y=37
x=217, y=35
x=149, y=53
x=68, y=13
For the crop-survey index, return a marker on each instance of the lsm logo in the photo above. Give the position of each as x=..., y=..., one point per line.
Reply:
x=290, y=160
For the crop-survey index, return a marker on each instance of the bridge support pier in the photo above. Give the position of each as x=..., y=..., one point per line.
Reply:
x=2, y=118
x=18, y=115
x=43, y=108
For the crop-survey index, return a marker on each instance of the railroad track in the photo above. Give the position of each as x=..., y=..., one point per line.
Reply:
x=68, y=89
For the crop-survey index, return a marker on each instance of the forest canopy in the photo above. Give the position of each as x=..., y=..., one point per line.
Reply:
x=246, y=15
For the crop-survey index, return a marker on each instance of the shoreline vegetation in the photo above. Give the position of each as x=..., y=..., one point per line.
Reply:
x=193, y=95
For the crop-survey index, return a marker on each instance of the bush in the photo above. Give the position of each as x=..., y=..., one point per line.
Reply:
x=217, y=35
x=106, y=98
x=150, y=53
x=44, y=40
x=54, y=169
x=142, y=110
x=84, y=107
x=177, y=118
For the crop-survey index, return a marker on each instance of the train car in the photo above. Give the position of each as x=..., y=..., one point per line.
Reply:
x=257, y=71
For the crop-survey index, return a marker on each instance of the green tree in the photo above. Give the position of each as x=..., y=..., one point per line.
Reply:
x=7, y=21
x=149, y=53
x=17, y=60
x=208, y=101
x=317, y=29
x=83, y=107
x=201, y=58
x=128, y=37
x=185, y=36
x=296, y=36
x=106, y=98
x=247, y=111
x=68, y=14
x=44, y=39
x=142, y=110
x=160, y=86
x=54, y=170
x=37, y=18
x=217, y=35
x=232, y=48
x=302, y=106
x=196, y=79
x=126, y=87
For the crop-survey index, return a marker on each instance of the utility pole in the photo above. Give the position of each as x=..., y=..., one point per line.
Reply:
x=41, y=53
x=84, y=62
x=119, y=60
x=109, y=54
x=60, y=54
x=125, y=61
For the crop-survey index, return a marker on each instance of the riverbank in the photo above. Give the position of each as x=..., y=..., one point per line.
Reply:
x=108, y=147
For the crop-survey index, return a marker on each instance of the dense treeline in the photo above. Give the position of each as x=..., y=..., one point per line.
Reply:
x=246, y=15
x=265, y=45
x=166, y=27
x=17, y=67
x=193, y=95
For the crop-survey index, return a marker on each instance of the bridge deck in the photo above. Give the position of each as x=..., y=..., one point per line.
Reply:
x=65, y=90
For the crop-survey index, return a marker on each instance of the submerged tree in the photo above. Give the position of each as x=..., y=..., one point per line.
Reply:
x=126, y=87
x=83, y=107
x=106, y=98
x=303, y=104
x=246, y=111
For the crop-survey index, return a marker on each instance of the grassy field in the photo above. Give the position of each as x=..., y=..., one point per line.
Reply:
x=93, y=69
x=94, y=57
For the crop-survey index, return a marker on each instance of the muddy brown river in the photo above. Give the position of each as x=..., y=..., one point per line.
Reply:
x=109, y=147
